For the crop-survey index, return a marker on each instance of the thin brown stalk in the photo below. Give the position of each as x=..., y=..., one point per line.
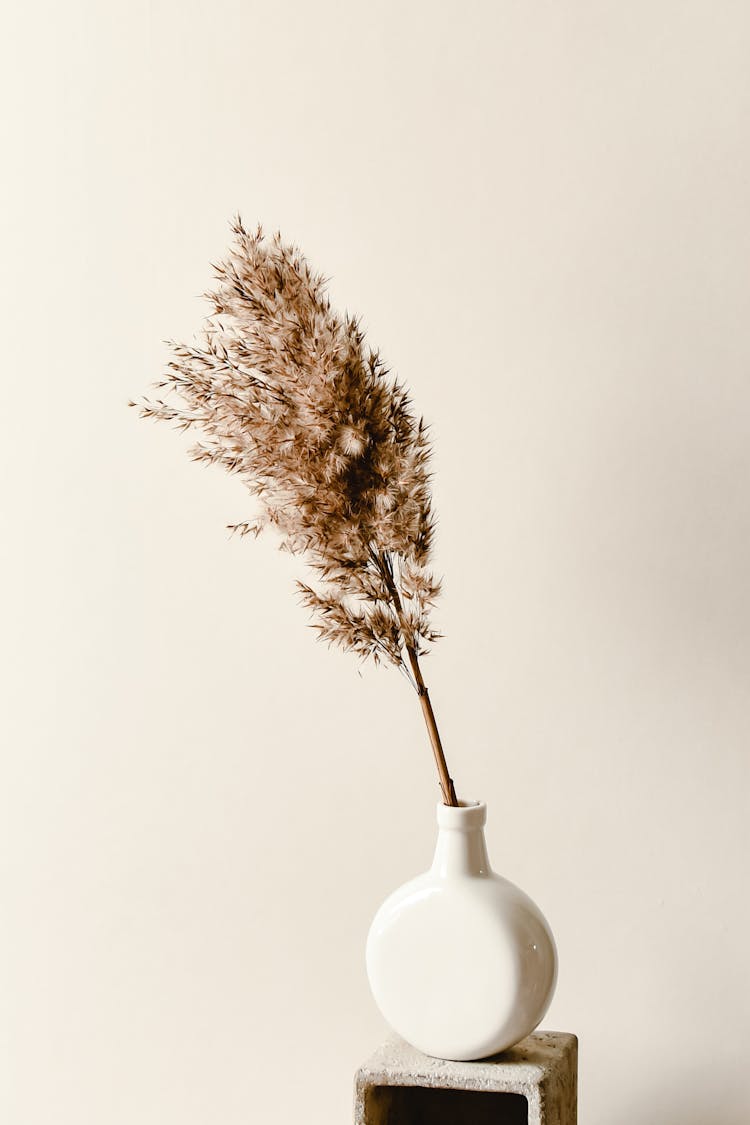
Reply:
x=446, y=781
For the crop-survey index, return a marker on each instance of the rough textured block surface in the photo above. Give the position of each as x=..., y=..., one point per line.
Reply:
x=534, y=1083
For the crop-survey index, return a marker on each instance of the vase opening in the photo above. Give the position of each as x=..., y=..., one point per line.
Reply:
x=464, y=816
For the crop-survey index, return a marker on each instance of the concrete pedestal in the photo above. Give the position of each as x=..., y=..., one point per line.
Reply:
x=534, y=1083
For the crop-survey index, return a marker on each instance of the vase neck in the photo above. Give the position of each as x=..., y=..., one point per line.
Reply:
x=460, y=848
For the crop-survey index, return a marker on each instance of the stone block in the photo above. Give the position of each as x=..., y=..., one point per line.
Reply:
x=533, y=1083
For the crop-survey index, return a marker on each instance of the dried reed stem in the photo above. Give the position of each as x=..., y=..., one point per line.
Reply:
x=289, y=397
x=446, y=781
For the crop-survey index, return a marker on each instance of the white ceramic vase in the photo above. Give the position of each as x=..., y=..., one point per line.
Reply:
x=461, y=963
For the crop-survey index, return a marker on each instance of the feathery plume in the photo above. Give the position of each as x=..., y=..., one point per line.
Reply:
x=287, y=395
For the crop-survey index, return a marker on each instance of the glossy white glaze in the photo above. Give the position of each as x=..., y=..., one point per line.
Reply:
x=462, y=964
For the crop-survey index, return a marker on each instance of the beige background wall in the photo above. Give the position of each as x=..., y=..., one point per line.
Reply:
x=540, y=209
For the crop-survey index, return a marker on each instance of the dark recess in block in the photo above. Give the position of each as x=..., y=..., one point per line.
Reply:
x=422, y=1105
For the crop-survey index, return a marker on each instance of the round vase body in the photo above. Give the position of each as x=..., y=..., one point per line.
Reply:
x=461, y=963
